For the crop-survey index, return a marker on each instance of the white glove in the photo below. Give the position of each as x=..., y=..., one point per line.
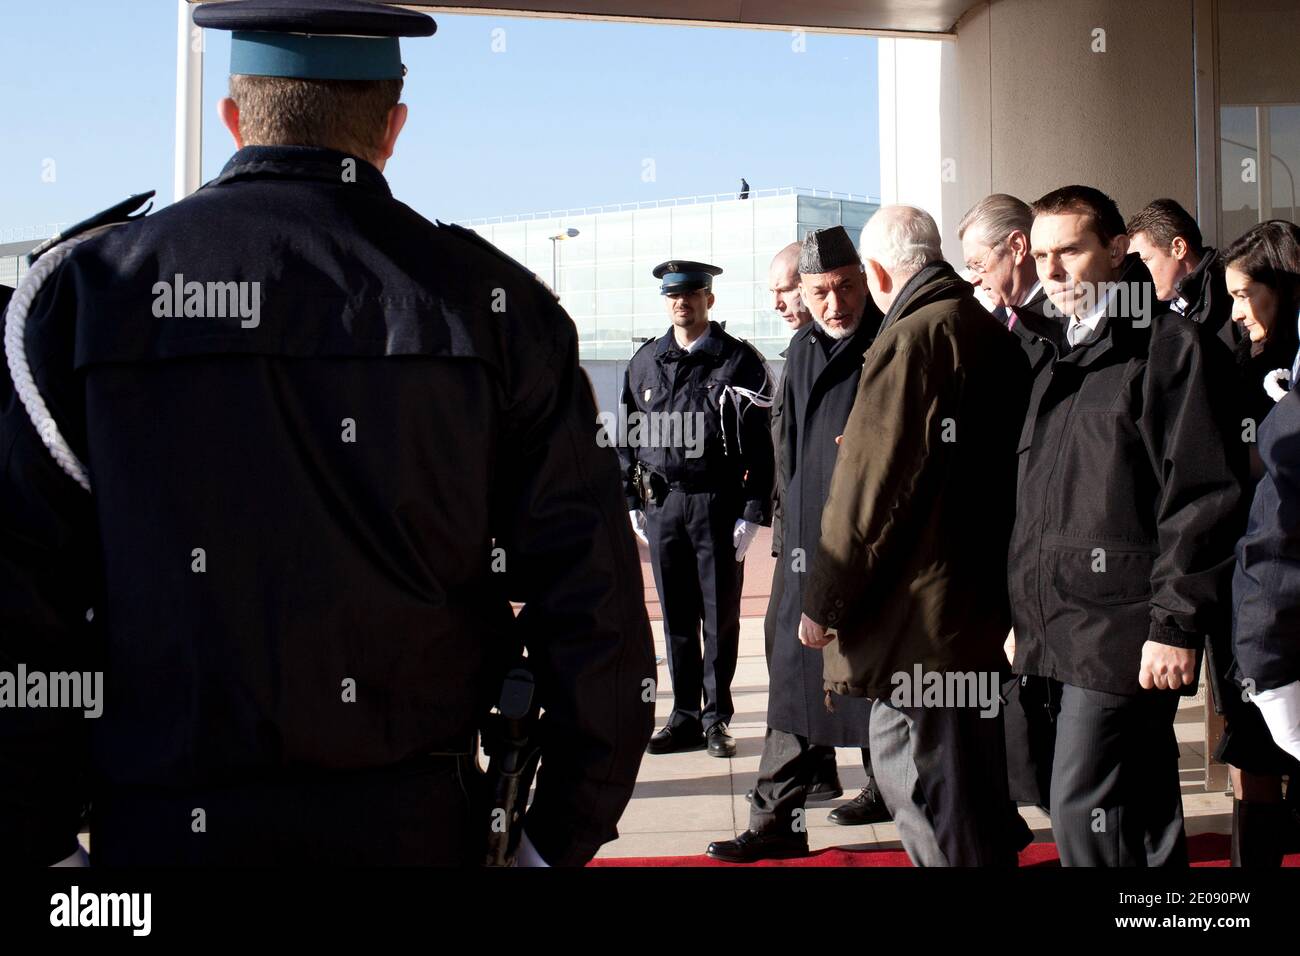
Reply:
x=1281, y=710
x=745, y=532
x=639, y=525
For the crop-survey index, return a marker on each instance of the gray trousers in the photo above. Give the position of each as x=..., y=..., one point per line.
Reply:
x=1116, y=800
x=943, y=774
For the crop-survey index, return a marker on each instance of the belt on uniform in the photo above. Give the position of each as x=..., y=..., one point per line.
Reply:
x=703, y=487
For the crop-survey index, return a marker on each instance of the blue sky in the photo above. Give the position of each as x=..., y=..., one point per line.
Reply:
x=565, y=115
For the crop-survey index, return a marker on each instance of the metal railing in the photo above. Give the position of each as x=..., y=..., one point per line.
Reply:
x=817, y=192
x=36, y=233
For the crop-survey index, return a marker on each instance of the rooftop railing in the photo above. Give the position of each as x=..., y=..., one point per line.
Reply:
x=818, y=192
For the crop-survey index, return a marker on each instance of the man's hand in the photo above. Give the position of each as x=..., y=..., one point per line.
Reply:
x=812, y=634
x=639, y=525
x=742, y=536
x=1165, y=667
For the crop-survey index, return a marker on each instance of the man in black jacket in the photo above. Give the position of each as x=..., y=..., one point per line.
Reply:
x=1129, y=496
x=1186, y=273
x=312, y=507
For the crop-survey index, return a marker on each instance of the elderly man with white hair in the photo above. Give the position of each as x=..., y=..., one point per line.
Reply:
x=907, y=592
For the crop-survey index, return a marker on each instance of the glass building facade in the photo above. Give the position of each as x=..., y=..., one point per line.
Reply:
x=603, y=275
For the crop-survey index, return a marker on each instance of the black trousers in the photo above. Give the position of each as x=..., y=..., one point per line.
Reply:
x=788, y=767
x=430, y=813
x=699, y=581
x=1115, y=794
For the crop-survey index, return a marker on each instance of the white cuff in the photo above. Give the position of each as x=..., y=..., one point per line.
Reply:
x=1281, y=709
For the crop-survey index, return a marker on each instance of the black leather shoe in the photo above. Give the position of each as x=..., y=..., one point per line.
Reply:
x=721, y=743
x=677, y=739
x=823, y=791
x=815, y=794
x=866, y=807
x=752, y=846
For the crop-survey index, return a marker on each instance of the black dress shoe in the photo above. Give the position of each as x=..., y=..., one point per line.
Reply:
x=721, y=744
x=866, y=807
x=823, y=791
x=752, y=846
x=673, y=740
x=815, y=794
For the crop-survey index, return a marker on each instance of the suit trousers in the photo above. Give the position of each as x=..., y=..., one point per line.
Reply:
x=943, y=774
x=1116, y=800
x=789, y=766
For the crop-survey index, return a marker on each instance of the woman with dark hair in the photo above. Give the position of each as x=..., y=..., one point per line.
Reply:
x=1262, y=274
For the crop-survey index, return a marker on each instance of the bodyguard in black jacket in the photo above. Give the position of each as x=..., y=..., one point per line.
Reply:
x=1128, y=508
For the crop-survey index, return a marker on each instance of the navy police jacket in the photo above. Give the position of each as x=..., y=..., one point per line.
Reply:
x=700, y=420
x=339, y=478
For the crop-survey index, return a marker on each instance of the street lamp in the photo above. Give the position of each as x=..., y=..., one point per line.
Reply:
x=555, y=257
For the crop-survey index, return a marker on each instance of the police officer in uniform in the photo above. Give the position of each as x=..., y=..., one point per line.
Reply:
x=276, y=460
x=698, y=470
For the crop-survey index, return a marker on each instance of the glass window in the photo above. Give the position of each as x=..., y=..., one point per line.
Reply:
x=819, y=212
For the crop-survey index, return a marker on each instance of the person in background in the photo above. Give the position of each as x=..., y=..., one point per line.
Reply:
x=994, y=237
x=1185, y=272
x=697, y=494
x=1262, y=276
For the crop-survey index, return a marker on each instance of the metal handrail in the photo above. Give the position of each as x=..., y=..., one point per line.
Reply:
x=816, y=192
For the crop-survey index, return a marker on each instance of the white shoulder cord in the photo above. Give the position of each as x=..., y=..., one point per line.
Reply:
x=734, y=394
x=15, y=325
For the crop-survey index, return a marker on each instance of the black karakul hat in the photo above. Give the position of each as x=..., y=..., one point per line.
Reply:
x=824, y=250
x=683, y=275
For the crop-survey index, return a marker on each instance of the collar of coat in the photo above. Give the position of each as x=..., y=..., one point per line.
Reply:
x=711, y=341
x=935, y=281
x=1195, y=286
x=302, y=163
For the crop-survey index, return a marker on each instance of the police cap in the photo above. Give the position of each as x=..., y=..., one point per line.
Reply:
x=315, y=39
x=682, y=275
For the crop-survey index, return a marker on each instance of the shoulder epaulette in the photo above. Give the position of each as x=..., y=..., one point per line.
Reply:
x=120, y=213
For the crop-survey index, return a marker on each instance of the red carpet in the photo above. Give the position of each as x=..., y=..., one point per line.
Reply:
x=1206, y=849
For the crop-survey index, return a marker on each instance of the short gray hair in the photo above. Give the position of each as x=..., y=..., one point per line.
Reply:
x=995, y=217
x=903, y=239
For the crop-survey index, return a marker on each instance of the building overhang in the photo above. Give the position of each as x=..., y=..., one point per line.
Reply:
x=922, y=18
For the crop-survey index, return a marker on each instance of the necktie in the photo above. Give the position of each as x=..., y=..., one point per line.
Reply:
x=1077, y=333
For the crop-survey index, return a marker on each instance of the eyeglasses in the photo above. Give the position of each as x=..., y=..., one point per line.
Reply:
x=982, y=267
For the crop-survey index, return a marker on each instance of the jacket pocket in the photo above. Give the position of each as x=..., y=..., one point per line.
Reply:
x=1104, y=575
